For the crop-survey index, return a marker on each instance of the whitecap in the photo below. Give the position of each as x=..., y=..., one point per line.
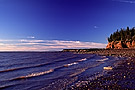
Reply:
x=82, y=59
x=35, y=74
x=101, y=60
x=40, y=73
x=67, y=65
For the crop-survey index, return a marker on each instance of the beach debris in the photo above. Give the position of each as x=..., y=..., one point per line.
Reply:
x=108, y=68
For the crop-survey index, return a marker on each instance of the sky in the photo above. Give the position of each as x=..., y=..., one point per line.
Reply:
x=51, y=25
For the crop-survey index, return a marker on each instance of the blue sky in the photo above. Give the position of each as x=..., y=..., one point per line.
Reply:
x=61, y=21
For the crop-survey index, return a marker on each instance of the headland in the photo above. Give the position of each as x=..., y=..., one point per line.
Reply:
x=121, y=77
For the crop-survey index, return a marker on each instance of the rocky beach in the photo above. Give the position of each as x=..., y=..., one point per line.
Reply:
x=121, y=77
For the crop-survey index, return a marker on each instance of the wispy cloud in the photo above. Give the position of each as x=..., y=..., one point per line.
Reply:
x=125, y=1
x=31, y=37
x=95, y=27
x=45, y=45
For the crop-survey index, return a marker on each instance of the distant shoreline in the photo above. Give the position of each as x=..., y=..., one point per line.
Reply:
x=125, y=52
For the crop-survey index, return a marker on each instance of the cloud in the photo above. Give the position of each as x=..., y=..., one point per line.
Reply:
x=125, y=1
x=30, y=41
x=45, y=45
x=95, y=27
x=32, y=37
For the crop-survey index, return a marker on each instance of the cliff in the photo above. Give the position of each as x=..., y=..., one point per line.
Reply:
x=124, y=38
x=120, y=44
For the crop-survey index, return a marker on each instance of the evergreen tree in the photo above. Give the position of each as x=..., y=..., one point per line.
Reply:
x=111, y=37
x=123, y=35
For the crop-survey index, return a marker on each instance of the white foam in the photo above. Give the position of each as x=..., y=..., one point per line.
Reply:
x=104, y=56
x=67, y=65
x=37, y=74
x=101, y=60
x=82, y=59
x=40, y=73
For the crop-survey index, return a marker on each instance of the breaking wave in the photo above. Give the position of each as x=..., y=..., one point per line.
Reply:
x=82, y=59
x=70, y=64
x=101, y=60
x=67, y=65
x=35, y=74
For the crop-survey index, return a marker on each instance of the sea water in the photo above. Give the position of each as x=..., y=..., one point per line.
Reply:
x=48, y=70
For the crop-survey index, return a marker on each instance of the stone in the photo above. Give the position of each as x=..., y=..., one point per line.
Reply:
x=108, y=68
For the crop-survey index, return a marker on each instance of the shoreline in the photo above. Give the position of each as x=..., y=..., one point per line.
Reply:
x=121, y=77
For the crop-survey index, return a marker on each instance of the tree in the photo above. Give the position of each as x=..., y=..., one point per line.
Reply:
x=118, y=37
x=123, y=35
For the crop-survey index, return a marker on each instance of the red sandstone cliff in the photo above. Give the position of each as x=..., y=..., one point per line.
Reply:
x=120, y=44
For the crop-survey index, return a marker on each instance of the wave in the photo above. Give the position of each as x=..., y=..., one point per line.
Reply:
x=34, y=74
x=4, y=87
x=67, y=65
x=34, y=66
x=70, y=64
x=13, y=69
x=101, y=60
x=82, y=59
x=103, y=56
x=79, y=72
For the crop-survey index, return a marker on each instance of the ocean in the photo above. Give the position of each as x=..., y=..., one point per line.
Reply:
x=49, y=70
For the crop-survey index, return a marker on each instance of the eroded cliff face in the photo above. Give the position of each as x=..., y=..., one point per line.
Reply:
x=120, y=44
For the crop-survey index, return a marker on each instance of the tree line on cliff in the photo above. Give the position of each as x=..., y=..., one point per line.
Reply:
x=123, y=35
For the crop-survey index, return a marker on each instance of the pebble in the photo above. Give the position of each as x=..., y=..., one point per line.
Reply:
x=123, y=76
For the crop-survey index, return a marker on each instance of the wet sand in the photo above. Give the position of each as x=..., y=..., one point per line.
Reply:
x=121, y=77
